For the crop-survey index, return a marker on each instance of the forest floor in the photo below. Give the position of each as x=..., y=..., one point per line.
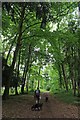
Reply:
x=20, y=107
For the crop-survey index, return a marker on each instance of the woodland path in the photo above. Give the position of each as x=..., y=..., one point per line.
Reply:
x=20, y=107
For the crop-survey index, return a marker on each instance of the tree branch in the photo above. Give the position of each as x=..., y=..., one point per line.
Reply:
x=31, y=36
x=30, y=26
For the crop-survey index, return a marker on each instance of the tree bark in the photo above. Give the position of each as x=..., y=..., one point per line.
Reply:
x=60, y=76
x=6, y=91
x=64, y=75
x=17, y=68
x=5, y=74
x=78, y=72
x=11, y=48
x=79, y=54
x=26, y=66
x=39, y=80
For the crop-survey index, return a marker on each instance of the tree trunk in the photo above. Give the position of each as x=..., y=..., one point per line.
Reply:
x=26, y=66
x=79, y=72
x=6, y=92
x=72, y=68
x=79, y=53
x=27, y=85
x=60, y=76
x=5, y=75
x=65, y=79
x=39, y=80
x=16, y=91
x=18, y=65
x=72, y=76
x=11, y=48
x=32, y=85
x=18, y=45
x=22, y=88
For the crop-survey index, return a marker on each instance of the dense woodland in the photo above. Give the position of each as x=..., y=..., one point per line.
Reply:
x=40, y=46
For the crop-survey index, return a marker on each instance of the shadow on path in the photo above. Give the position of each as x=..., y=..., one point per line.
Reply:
x=20, y=107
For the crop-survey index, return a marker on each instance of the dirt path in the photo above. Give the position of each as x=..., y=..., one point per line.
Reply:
x=20, y=107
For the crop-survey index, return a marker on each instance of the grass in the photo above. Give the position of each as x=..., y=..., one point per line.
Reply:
x=67, y=97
